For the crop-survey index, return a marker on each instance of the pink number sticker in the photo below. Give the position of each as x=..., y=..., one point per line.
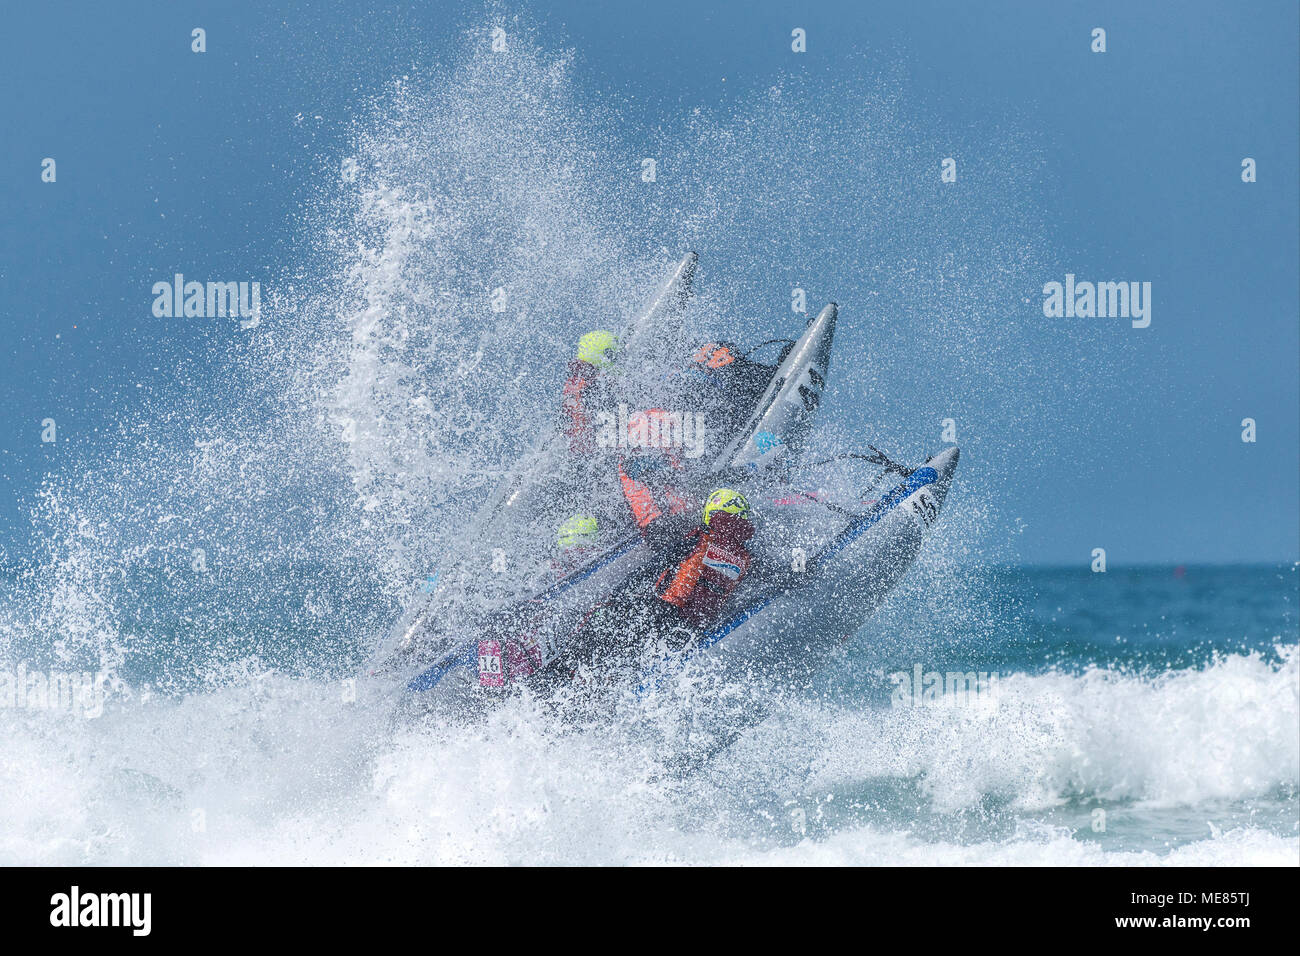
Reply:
x=490, y=672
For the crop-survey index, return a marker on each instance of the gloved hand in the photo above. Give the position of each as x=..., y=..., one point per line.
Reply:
x=671, y=537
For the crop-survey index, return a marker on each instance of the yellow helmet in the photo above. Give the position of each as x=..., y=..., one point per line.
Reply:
x=598, y=348
x=724, y=499
x=577, y=530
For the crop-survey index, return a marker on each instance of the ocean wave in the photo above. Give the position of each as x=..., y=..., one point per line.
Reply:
x=274, y=770
x=1178, y=738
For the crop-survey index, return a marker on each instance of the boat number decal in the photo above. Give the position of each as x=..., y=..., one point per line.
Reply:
x=548, y=640
x=924, y=507
x=809, y=389
x=490, y=673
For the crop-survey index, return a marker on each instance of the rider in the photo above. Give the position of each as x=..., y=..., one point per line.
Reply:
x=649, y=479
x=577, y=540
x=518, y=645
x=699, y=585
x=688, y=595
x=588, y=388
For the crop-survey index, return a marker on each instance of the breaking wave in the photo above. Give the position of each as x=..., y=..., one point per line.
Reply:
x=275, y=770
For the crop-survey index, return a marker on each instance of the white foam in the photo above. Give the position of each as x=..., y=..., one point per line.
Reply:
x=280, y=771
x=1188, y=736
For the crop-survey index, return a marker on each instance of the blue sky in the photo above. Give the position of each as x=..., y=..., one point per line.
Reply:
x=167, y=158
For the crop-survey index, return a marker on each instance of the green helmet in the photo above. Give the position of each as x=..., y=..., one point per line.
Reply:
x=598, y=348
x=577, y=530
x=724, y=499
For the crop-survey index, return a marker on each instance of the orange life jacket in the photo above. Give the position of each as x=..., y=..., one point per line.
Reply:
x=713, y=355
x=645, y=504
x=719, y=562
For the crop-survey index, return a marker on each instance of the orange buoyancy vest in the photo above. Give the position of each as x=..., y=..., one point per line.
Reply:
x=719, y=562
x=645, y=504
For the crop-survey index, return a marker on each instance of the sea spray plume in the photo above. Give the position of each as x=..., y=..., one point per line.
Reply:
x=829, y=182
x=482, y=251
x=766, y=185
x=380, y=376
x=378, y=399
x=64, y=611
